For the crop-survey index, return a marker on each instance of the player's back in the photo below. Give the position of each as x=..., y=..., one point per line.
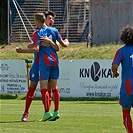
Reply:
x=48, y=53
x=127, y=68
x=127, y=60
x=53, y=34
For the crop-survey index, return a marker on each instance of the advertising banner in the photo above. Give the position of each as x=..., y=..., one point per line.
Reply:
x=78, y=78
x=13, y=77
x=88, y=78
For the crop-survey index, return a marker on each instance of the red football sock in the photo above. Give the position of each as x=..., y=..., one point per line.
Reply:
x=127, y=120
x=50, y=97
x=56, y=96
x=45, y=99
x=29, y=98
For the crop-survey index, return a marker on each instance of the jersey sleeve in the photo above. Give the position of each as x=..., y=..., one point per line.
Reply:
x=35, y=37
x=117, y=58
x=58, y=36
x=33, y=34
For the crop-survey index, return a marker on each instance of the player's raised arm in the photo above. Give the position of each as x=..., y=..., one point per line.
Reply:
x=63, y=43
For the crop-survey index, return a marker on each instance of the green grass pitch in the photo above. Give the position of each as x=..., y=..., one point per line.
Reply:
x=76, y=117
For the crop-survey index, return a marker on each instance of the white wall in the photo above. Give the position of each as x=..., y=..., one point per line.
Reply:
x=107, y=17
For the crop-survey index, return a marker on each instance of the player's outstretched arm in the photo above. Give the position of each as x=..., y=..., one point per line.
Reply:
x=28, y=50
x=31, y=45
x=115, y=70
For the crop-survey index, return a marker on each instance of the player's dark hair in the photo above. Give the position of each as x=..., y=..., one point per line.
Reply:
x=127, y=35
x=49, y=13
x=39, y=17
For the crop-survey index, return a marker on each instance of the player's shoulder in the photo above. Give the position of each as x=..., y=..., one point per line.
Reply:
x=35, y=32
x=51, y=28
x=124, y=48
x=42, y=31
x=43, y=28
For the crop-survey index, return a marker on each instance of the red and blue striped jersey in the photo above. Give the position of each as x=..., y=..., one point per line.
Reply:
x=48, y=55
x=35, y=40
x=124, y=56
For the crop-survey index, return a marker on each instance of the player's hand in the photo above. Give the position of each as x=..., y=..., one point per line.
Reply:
x=31, y=44
x=66, y=41
x=45, y=41
x=116, y=74
x=18, y=49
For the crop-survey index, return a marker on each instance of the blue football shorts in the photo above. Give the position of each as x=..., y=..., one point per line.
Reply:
x=34, y=73
x=126, y=100
x=49, y=72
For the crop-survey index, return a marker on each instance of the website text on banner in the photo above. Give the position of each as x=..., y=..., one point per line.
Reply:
x=87, y=78
x=13, y=77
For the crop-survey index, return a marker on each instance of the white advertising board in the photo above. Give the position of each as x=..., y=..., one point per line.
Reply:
x=78, y=78
x=64, y=80
x=88, y=78
x=13, y=77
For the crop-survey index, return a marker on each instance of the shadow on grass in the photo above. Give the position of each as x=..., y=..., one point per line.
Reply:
x=23, y=97
x=16, y=121
x=98, y=102
x=13, y=96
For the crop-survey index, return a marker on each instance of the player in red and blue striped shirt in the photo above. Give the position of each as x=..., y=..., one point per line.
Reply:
x=34, y=71
x=34, y=76
x=48, y=65
x=124, y=56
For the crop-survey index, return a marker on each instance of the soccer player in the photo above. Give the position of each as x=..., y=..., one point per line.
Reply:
x=48, y=65
x=49, y=21
x=124, y=56
x=34, y=71
x=34, y=75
